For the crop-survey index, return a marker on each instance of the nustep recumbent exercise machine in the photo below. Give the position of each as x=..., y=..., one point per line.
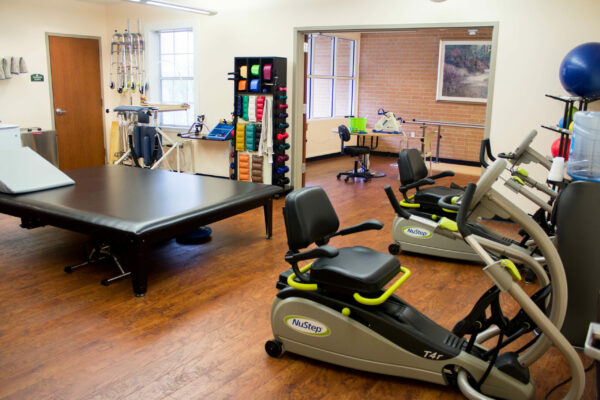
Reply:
x=336, y=309
x=427, y=225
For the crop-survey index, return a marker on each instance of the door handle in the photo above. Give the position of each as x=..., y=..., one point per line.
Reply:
x=60, y=112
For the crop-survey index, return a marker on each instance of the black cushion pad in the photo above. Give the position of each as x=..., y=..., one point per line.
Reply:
x=355, y=269
x=354, y=151
x=135, y=200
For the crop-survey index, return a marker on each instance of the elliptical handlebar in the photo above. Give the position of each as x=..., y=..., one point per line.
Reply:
x=487, y=179
x=524, y=145
x=461, y=218
x=486, y=150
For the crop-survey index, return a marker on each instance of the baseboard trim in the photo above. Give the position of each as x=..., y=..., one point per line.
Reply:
x=395, y=155
x=325, y=156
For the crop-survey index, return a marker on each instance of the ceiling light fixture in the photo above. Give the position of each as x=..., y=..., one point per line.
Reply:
x=173, y=6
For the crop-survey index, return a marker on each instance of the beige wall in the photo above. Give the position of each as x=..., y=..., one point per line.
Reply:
x=531, y=45
x=23, y=28
x=322, y=137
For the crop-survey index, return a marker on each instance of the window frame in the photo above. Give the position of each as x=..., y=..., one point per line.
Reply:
x=310, y=77
x=160, y=77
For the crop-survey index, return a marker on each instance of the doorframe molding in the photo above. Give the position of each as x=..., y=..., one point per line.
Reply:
x=298, y=74
x=51, y=91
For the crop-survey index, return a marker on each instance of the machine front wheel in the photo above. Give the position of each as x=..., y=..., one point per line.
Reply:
x=274, y=348
x=394, y=249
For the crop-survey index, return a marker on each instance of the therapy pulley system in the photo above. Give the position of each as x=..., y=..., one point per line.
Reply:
x=127, y=61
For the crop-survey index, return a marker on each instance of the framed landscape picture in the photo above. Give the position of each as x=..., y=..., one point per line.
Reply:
x=464, y=70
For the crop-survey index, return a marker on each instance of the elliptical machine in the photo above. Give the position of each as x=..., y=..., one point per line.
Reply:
x=336, y=309
x=522, y=183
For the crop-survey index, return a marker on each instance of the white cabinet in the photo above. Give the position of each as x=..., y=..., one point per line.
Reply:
x=10, y=136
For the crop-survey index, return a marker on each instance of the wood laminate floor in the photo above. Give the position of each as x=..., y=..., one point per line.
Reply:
x=200, y=331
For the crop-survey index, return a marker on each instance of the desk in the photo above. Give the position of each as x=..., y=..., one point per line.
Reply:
x=137, y=207
x=374, y=136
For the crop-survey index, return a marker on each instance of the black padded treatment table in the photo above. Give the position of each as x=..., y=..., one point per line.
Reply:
x=136, y=207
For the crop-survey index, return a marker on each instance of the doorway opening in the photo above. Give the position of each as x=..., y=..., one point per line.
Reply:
x=437, y=79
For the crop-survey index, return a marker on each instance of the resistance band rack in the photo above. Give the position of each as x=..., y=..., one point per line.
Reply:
x=439, y=124
x=565, y=133
x=260, y=88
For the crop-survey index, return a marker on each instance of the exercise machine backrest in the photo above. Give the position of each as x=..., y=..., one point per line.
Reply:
x=311, y=220
x=411, y=166
x=413, y=171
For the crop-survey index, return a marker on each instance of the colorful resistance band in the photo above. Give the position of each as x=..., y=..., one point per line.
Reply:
x=267, y=72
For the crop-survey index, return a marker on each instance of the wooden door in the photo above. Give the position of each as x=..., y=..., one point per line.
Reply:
x=76, y=90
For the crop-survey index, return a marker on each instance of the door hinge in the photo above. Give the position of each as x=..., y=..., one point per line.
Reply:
x=303, y=168
x=306, y=47
x=303, y=108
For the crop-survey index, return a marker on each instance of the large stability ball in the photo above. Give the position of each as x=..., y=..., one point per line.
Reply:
x=579, y=71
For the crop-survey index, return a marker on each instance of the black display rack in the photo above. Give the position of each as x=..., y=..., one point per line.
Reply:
x=565, y=133
x=258, y=77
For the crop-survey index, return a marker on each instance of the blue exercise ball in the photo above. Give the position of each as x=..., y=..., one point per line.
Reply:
x=579, y=71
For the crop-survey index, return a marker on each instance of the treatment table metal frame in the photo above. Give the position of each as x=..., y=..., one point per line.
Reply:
x=136, y=207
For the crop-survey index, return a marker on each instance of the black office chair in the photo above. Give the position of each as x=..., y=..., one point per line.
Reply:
x=358, y=152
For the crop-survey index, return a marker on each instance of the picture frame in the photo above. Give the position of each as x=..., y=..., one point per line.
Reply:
x=464, y=70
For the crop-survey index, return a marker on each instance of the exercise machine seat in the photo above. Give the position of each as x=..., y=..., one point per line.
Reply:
x=412, y=168
x=355, y=269
x=431, y=195
x=310, y=218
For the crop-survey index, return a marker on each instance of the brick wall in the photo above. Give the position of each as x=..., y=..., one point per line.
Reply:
x=398, y=72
